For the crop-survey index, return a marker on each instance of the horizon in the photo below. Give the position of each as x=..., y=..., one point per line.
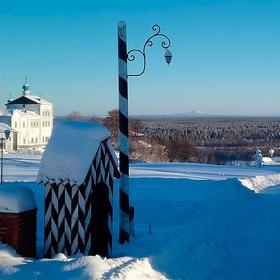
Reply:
x=225, y=56
x=187, y=115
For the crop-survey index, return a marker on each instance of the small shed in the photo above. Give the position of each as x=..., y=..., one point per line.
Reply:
x=77, y=170
x=18, y=213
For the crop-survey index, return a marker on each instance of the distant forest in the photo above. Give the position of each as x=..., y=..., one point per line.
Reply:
x=217, y=140
x=205, y=140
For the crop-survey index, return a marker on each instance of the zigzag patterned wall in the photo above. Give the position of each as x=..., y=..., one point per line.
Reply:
x=78, y=219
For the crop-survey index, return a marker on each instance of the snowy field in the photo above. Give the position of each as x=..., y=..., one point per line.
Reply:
x=207, y=222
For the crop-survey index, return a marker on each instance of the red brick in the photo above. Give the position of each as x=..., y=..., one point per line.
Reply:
x=19, y=231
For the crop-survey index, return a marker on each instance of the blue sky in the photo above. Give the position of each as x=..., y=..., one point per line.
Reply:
x=226, y=55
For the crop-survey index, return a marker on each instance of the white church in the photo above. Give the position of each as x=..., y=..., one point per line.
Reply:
x=30, y=119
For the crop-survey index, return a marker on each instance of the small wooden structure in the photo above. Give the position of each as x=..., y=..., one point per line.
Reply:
x=77, y=169
x=18, y=213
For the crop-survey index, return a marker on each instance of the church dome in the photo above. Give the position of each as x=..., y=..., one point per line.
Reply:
x=25, y=87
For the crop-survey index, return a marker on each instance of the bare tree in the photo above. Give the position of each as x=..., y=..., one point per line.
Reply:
x=134, y=127
x=74, y=116
x=179, y=150
x=112, y=123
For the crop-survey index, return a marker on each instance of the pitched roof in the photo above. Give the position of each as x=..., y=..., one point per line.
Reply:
x=28, y=99
x=23, y=100
x=71, y=150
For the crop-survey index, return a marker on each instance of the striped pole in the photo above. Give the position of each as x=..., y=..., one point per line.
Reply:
x=123, y=135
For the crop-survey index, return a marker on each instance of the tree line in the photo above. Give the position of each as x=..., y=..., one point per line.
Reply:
x=196, y=140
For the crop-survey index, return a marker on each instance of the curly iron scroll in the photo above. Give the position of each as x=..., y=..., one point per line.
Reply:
x=131, y=55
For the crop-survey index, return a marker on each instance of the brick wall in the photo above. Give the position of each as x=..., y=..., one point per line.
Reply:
x=19, y=231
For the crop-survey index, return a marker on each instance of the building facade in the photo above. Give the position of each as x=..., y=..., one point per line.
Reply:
x=32, y=118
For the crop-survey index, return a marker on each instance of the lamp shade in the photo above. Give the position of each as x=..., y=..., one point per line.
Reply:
x=168, y=56
x=7, y=133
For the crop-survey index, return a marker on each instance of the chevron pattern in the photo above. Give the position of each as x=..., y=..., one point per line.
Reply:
x=78, y=219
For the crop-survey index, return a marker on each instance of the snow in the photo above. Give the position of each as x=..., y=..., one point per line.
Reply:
x=26, y=153
x=198, y=171
x=231, y=235
x=70, y=151
x=4, y=127
x=260, y=183
x=37, y=99
x=16, y=199
x=207, y=222
x=9, y=260
x=269, y=161
x=19, y=169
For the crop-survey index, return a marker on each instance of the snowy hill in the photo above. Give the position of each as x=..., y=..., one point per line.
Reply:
x=206, y=223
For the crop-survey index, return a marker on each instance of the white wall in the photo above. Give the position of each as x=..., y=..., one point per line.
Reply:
x=46, y=112
x=33, y=129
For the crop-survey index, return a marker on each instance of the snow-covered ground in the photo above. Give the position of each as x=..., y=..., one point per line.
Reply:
x=207, y=222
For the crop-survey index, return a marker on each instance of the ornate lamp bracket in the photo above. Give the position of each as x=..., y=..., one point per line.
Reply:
x=131, y=55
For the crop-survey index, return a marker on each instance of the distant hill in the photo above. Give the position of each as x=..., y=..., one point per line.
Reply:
x=189, y=115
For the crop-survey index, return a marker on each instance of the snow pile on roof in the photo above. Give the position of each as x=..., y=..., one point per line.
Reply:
x=16, y=199
x=37, y=99
x=70, y=151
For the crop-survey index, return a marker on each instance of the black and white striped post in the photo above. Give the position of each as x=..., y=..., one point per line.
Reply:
x=126, y=210
x=123, y=135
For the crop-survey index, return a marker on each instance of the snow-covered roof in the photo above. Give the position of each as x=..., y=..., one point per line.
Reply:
x=4, y=127
x=70, y=151
x=38, y=99
x=16, y=199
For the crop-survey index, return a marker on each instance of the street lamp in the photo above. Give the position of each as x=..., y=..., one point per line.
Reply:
x=4, y=136
x=168, y=56
x=126, y=210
